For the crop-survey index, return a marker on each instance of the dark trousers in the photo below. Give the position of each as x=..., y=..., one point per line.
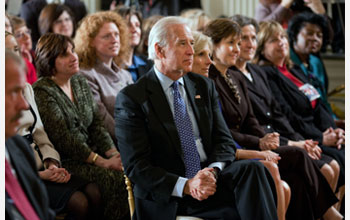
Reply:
x=311, y=193
x=245, y=190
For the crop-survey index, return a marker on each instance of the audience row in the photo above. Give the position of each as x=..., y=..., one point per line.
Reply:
x=96, y=108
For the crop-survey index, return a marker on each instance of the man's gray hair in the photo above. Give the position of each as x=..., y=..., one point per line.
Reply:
x=11, y=55
x=159, y=33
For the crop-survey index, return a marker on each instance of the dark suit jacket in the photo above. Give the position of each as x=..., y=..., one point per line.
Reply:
x=22, y=160
x=30, y=12
x=309, y=122
x=265, y=107
x=240, y=119
x=150, y=146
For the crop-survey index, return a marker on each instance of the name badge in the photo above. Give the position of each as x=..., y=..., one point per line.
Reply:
x=309, y=91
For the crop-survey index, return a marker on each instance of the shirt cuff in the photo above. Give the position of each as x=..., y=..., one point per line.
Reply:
x=220, y=165
x=179, y=187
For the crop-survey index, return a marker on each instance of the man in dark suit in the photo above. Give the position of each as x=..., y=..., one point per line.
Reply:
x=178, y=170
x=30, y=12
x=26, y=196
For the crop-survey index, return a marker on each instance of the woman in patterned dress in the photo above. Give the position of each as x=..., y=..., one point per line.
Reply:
x=72, y=122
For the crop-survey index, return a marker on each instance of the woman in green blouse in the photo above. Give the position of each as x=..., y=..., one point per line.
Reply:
x=70, y=117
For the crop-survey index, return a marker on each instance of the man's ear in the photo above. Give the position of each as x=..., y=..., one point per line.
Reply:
x=159, y=51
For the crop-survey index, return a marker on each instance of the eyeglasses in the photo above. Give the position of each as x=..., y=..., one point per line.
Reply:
x=21, y=34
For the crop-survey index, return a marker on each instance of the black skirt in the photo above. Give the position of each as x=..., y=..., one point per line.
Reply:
x=60, y=193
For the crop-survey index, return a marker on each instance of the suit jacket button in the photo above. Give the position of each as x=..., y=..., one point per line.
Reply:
x=268, y=127
x=268, y=113
x=237, y=126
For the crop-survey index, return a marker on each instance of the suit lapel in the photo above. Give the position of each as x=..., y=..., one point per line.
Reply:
x=162, y=110
x=256, y=86
x=196, y=98
x=222, y=88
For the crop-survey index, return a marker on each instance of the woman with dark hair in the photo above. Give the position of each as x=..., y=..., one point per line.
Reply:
x=298, y=99
x=307, y=33
x=58, y=19
x=72, y=122
x=137, y=65
x=147, y=25
x=102, y=45
x=311, y=194
x=67, y=193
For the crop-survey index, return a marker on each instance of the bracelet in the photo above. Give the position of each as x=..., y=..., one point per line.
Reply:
x=94, y=158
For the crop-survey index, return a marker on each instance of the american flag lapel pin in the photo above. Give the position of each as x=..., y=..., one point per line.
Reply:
x=197, y=97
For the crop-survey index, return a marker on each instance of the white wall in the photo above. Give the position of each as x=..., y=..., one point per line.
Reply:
x=216, y=8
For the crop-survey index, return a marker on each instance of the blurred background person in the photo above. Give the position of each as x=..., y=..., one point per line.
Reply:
x=147, y=25
x=58, y=19
x=30, y=12
x=22, y=35
x=136, y=64
x=101, y=41
x=197, y=18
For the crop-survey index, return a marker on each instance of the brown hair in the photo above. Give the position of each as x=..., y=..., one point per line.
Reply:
x=221, y=28
x=49, y=47
x=267, y=30
x=244, y=20
x=147, y=25
x=17, y=22
x=89, y=28
x=49, y=14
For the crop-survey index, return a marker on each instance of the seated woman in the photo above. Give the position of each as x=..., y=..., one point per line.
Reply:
x=266, y=109
x=136, y=64
x=201, y=62
x=22, y=35
x=76, y=195
x=312, y=195
x=58, y=19
x=67, y=193
x=72, y=122
x=101, y=41
x=298, y=99
x=307, y=33
x=147, y=25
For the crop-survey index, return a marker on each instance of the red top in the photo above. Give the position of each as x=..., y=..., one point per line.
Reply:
x=294, y=79
x=31, y=74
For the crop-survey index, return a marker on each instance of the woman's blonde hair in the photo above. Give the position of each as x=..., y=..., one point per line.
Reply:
x=200, y=41
x=197, y=18
x=89, y=28
x=266, y=30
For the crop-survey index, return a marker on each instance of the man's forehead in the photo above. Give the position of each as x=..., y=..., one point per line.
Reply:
x=180, y=31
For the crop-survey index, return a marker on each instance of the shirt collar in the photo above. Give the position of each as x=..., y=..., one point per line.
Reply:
x=165, y=81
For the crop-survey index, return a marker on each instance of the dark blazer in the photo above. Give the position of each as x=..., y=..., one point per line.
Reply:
x=22, y=160
x=154, y=160
x=240, y=119
x=308, y=121
x=30, y=12
x=266, y=109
